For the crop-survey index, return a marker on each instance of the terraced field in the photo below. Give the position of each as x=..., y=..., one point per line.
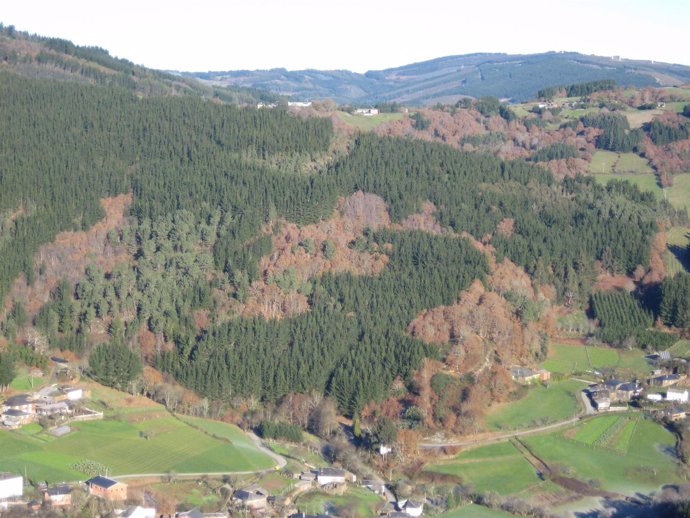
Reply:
x=496, y=467
x=122, y=446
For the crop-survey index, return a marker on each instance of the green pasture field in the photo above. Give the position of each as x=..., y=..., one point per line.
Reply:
x=648, y=463
x=541, y=405
x=636, y=118
x=474, y=511
x=603, y=162
x=119, y=445
x=676, y=106
x=496, y=467
x=359, y=502
x=609, y=162
x=680, y=348
x=679, y=194
x=367, y=123
x=591, y=430
x=566, y=359
x=678, y=238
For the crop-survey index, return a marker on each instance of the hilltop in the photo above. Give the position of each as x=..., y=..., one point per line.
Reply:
x=447, y=79
x=41, y=57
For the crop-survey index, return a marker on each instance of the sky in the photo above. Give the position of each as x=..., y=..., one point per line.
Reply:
x=357, y=35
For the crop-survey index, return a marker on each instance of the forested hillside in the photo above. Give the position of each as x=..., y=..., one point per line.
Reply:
x=36, y=56
x=210, y=184
x=447, y=79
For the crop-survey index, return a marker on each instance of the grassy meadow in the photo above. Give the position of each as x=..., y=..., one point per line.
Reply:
x=636, y=455
x=121, y=446
x=496, y=467
x=474, y=511
x=357, y=502
x=568, y=359
x=541, y=405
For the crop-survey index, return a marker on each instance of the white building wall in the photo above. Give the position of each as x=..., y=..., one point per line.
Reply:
x=11, y=487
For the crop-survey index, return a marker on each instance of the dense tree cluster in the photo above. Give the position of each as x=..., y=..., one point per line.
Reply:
x=556, y=151
x=206, y=178
x=114, y=365
x=620, y=315
x=675, y=300
x=279, y=430
x=616, y=133
x=662, y=133
x=577, y=89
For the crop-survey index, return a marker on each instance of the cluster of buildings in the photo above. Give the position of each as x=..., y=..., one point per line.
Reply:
x=611, y=391
x=55, y=401
x=606, y=394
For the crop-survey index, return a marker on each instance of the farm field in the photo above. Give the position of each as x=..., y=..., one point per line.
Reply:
x=541, y=405
x=614, y=432
x=368, y=123
x=566, y=359
x=647, y=464
x=675, y=257
x=496, y=467
x=636, y=118
x=680, y=348
x=358, y=502
x=121, y=447
x=609, y=162
x=679, y=194
x=474, y=511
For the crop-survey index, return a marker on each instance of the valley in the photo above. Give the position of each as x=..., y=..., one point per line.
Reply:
x=477, y=308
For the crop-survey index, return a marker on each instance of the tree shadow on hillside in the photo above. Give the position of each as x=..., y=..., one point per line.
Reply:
x=681, y=253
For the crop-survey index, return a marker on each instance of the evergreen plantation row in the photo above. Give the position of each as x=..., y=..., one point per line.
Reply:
x=200, y=165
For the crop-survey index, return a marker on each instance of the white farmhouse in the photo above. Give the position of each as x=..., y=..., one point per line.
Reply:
x=11, y=487
x=681, y=396
x=654, y=397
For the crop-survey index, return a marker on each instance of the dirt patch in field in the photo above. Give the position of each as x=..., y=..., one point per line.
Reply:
x=606, y=281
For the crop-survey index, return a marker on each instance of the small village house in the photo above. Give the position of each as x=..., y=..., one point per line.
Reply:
x=253, y=498
x=367, y=112
x=666, y=380
x=11, y=488
x=58, y=496
x=527, y=376
x=413, y=508
x=675, y=413
x=22, y=402
x=140, y=512
x=329, y=476
x=107, y=488
x=677, y=395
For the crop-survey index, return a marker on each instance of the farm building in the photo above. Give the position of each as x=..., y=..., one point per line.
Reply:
x=327, y=476
x=140, y=512
x=526, y=376
x=252, y=498
x=107, y=488
x=681, y=396
x=367, y=112
x=666, y=380
x=58, y=496
x=11, y=489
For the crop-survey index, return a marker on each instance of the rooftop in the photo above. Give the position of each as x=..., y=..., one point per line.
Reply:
x=100, y=481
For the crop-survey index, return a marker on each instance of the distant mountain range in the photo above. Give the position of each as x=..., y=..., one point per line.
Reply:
x=515, y=77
